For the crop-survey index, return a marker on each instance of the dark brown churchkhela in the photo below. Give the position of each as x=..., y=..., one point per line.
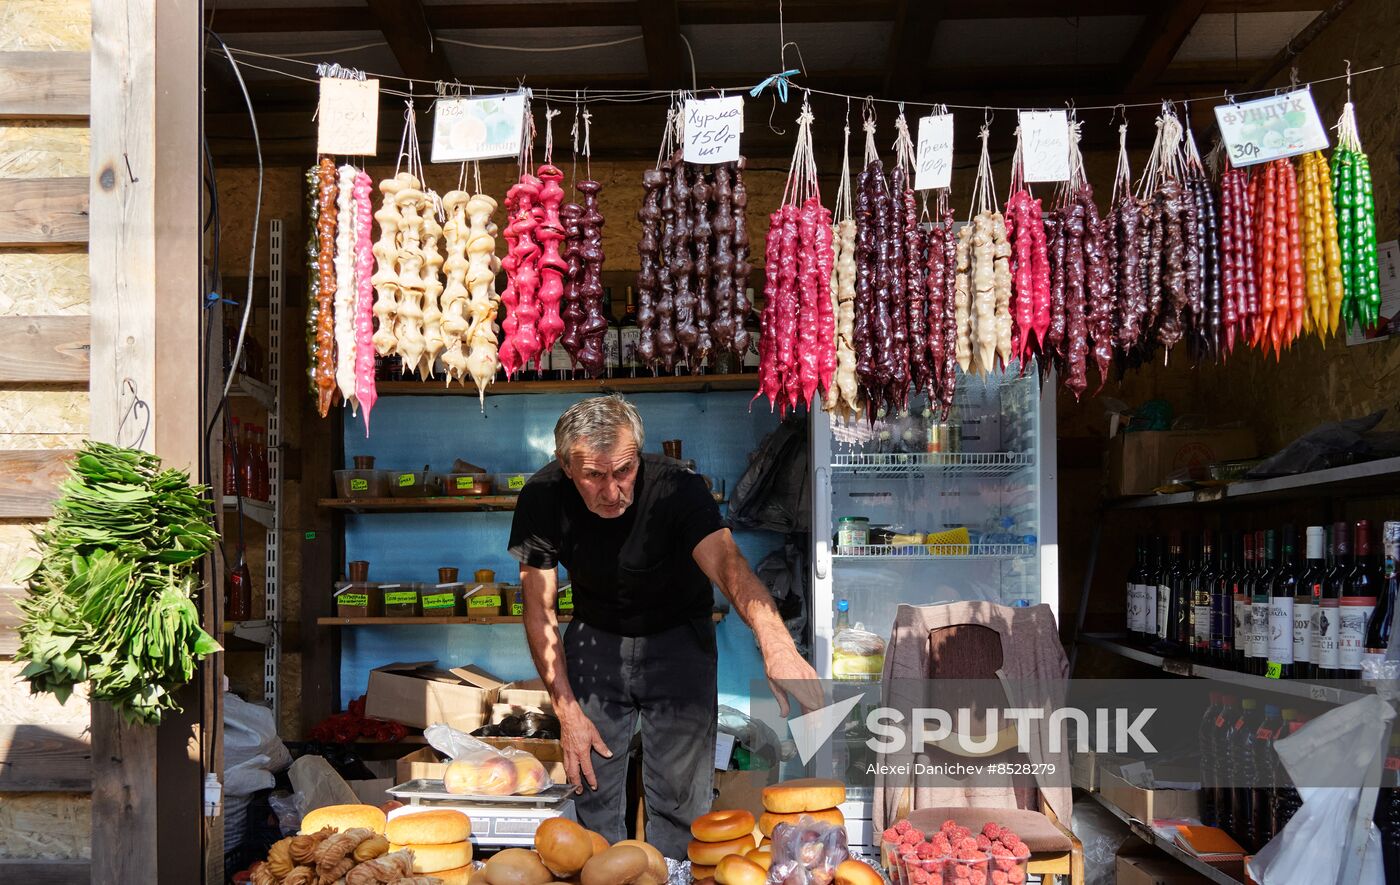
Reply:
x=649, y=261
x=592, y=353
x=572, y=312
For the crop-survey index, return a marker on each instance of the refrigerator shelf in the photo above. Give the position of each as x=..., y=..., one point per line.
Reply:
x=936, y=551
x=946, y=463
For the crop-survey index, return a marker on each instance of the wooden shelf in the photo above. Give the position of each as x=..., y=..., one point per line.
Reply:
x=461, y=619
x=444, y=504
x=1380, y=477
x=668, y=384
x=258, y=511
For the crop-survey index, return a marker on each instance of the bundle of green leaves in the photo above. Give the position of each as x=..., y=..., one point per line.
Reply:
x=110, y=596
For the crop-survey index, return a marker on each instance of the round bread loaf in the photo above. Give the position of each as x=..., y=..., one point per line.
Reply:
x=516, y=866
x=343, y=817
x=803, y=794
x=439, y=827
x=619, y=865
x=710, y=853
x=656, y=862
x=761, y=856
x=563, y=845
x=768, y=820
x=459, y=876
x=853, y=872
x=737, y=870
x=432, y=858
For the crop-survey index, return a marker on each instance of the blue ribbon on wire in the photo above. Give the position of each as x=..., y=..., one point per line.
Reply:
x=778, y=81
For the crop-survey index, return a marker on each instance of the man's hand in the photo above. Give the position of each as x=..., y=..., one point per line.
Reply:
x=788, y=672
x=579, y=738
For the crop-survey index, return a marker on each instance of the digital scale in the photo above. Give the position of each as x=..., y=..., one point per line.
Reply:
x=497, y=821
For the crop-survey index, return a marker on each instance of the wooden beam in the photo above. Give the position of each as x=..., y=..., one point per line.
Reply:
x=46, y=872
x=1157, y=42
x=43, y=211
x=405, y=26
x=661, y=34
x=1253, y=6
x=44, y=350
x=1300, y=41
x=916, y=21
x=30, y=479
x=44, y=758
x=44, y=85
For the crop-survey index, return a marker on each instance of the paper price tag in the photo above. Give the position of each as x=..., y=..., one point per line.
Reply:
x=359, y=485
x=1045, y=145
x=406, y=480
x=711, y=128
x=401, y=597
x=1271, y=128
x=440, y=600
x=934, y=158
x=466, y=482
x=347, y=117
x=515, y=483
x=1274, y=671
x=478, y=128
x=353, y=599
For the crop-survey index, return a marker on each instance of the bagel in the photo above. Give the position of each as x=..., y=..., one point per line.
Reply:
x=710, y=853
x=722, y=826
x=769, y=820
x=563, y=845
x=761, y=856
x=765, y=844
x=853, y=872
x=737, y=870
x=803, y=794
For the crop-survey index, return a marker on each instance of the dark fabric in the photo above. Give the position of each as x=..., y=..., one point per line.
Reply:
x=774, y=493
x=786, y=575
x=666, y=684
x=634, y=575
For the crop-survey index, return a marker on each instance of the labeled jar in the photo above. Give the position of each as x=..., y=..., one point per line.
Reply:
x=852, y=531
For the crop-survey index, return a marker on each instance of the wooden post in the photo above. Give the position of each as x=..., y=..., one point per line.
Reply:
x=145, y=258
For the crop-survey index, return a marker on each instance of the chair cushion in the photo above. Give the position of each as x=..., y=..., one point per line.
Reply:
x=964, y=651
x=1034, y=828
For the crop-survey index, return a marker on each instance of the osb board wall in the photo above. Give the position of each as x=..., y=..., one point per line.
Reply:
x=43, y=24
x=41, y=149
x=43, y=283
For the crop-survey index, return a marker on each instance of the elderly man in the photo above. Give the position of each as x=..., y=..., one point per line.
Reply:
x=643, y=541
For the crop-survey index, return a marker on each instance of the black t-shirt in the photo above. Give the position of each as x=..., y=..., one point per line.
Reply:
x=634, y=575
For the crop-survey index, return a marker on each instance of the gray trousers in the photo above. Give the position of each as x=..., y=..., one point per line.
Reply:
x=668, y=681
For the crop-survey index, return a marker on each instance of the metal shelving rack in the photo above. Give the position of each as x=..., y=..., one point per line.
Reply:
x=935, y=551
x=945, y=463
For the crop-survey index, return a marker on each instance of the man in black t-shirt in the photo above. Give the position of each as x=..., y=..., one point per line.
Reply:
x=643, y=540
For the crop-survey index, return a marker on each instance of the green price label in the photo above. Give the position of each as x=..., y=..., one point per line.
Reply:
x=1275, y=670
x=359, y=600
x=440, y=600
x=466, y=482
x=479, y=601
x=402, y=597
x=515, y=483
x=359, y=485
x=405, y=480
x=517, y=609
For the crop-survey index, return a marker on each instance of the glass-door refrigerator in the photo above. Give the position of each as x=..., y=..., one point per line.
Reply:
x=920, y=509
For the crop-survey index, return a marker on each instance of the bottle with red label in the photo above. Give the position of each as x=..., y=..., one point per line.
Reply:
x=1305, y=602
x=1263, y=768
x=1239, y=591
x=1205, y=734
x=1329, y=664
x=1358, y=601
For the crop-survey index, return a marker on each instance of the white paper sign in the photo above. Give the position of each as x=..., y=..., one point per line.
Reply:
x=347, y=118
x=711, y=129
x=724, y=748
x=933, y=162
x=1388, y=318
x=1045, y=145
x=1271, y=128
x=478, y=128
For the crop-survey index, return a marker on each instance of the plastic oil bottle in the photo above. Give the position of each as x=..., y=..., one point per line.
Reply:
x=857, y=655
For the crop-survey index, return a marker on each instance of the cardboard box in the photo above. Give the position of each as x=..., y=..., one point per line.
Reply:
x=521, y=694
x=373, y=791
x=1083, y=771
x=1139, y=863
x=1147, y=805
x=743, y=790
x=424, y=762
x=419, y=694
x=1140, y=462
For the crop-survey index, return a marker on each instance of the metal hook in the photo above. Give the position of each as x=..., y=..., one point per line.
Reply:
x=782, y=56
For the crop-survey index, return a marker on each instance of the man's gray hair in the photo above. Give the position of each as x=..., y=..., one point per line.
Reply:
x=596, y=423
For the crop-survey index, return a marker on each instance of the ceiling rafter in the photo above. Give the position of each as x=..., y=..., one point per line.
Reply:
x=1158, y=41
x=915, y=23
x=661, y=37
x=404, y=24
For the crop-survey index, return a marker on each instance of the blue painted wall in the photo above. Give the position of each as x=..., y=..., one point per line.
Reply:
x=516, y=434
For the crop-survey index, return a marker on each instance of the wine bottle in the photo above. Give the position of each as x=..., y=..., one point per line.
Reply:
x=1166, y=600
x=1183, y=599
x=1137, y=588
x=1305, y=602
x=1149, y=596
x=1202, y=586
x=755, y=329
x=1222, y=636
x=1329, y=608
x=629, y=333
x=238, y=590
x=1284, y=588
x=1239, y=589
x=1260, y=595
x=612, y=338
x=1358, y=601
x=1379, y=630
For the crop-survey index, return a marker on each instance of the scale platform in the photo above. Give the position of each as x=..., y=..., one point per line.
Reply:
x=497, y=821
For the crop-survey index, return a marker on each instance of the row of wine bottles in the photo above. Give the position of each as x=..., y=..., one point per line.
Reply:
x=1245, y=600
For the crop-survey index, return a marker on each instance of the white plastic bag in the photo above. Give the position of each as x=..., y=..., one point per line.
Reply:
x=250, y=730
x=479, y=769
x=1338, y=749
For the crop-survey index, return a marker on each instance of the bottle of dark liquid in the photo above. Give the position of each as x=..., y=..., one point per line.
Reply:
x=1202, y=589
x=1363, y=587
x=1183, y=599
x=629, y=333
x=1218, y=774
x=1137, y=588
x=238, y=591
x=232, y=477
x=1260, y=594
x=1329, y=665
x=1261, y=746
x=1204, y=734
x=1239, y=590
x=1387, y=816
x=1240, y=767
x=1305, y=601
x=612, y=338
x=1168, y=610
x=1379, y=630
x=1281, y=624
x=1222, y=634
x=1149, y=592
x=755, y=330
x=1286, y=799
